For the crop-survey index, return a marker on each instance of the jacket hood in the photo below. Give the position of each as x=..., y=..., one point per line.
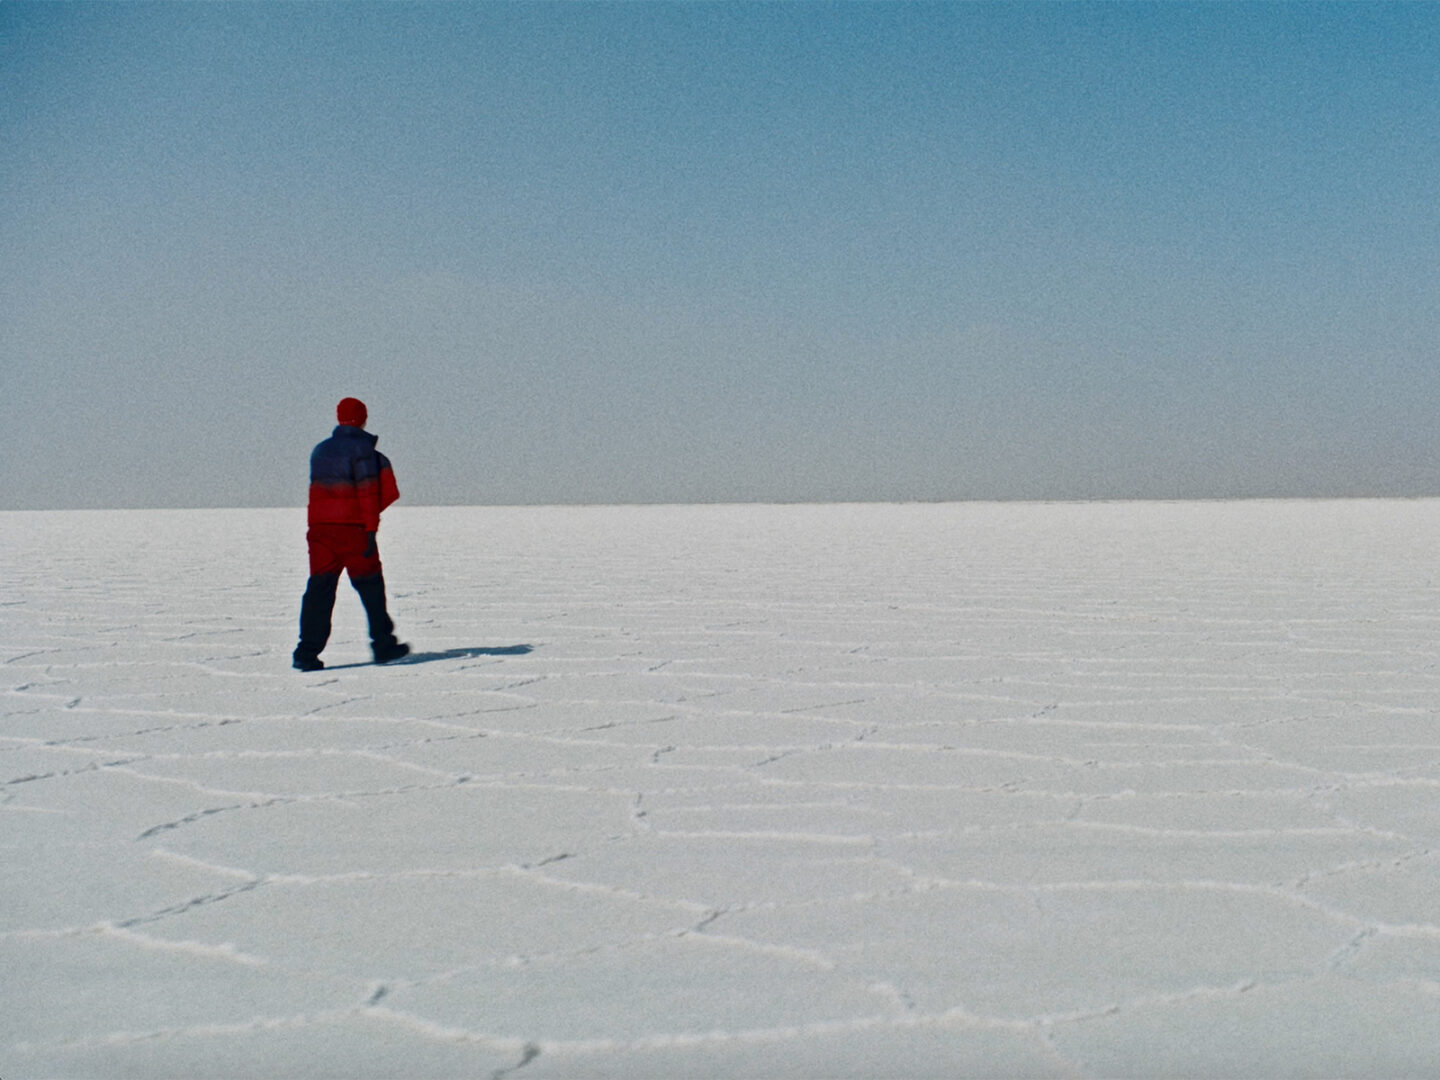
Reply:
x=345, y=431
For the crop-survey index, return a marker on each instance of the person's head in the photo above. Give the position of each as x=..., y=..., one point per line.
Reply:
x=351, y=412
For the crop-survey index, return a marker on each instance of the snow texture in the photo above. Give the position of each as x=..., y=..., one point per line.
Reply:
x=1071, y=790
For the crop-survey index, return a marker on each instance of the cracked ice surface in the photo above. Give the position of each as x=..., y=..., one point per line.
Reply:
x=1047, y=790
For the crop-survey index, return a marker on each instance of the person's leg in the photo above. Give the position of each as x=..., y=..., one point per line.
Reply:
x=318, y=604
x=368, y=578
x=382, y=631
x=316, y=608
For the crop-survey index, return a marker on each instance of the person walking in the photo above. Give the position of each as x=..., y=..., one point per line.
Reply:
x=351, y=483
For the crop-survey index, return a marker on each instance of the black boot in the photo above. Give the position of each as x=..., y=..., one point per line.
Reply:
x=383, y=645
x=315, y=610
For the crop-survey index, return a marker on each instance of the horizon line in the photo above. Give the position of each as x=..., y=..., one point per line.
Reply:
x=719, y=503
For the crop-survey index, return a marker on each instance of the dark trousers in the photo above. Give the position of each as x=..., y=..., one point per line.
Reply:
x=334, y=548
x=318, y=605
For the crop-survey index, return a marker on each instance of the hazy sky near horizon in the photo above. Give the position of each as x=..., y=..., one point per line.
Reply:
x=736, y=252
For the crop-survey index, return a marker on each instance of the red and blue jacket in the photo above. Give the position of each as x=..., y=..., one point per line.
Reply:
x=350, y=481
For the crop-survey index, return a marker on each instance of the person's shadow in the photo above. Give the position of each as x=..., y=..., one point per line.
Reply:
x=472, y=653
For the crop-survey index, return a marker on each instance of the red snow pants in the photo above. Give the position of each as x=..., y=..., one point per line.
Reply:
x=341, y=547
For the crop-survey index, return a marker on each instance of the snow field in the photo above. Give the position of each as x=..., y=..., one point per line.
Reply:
x=1079, y=790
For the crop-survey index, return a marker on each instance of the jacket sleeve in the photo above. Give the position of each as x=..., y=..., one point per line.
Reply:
x=374, y=488
x=389, y=492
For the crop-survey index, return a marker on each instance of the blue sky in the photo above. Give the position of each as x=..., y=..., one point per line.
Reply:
x=695, y=252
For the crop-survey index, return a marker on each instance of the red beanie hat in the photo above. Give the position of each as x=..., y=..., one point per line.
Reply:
x=351, y=412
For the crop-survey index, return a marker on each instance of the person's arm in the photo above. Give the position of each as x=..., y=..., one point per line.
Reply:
x=389, y=492
x=368, y=490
